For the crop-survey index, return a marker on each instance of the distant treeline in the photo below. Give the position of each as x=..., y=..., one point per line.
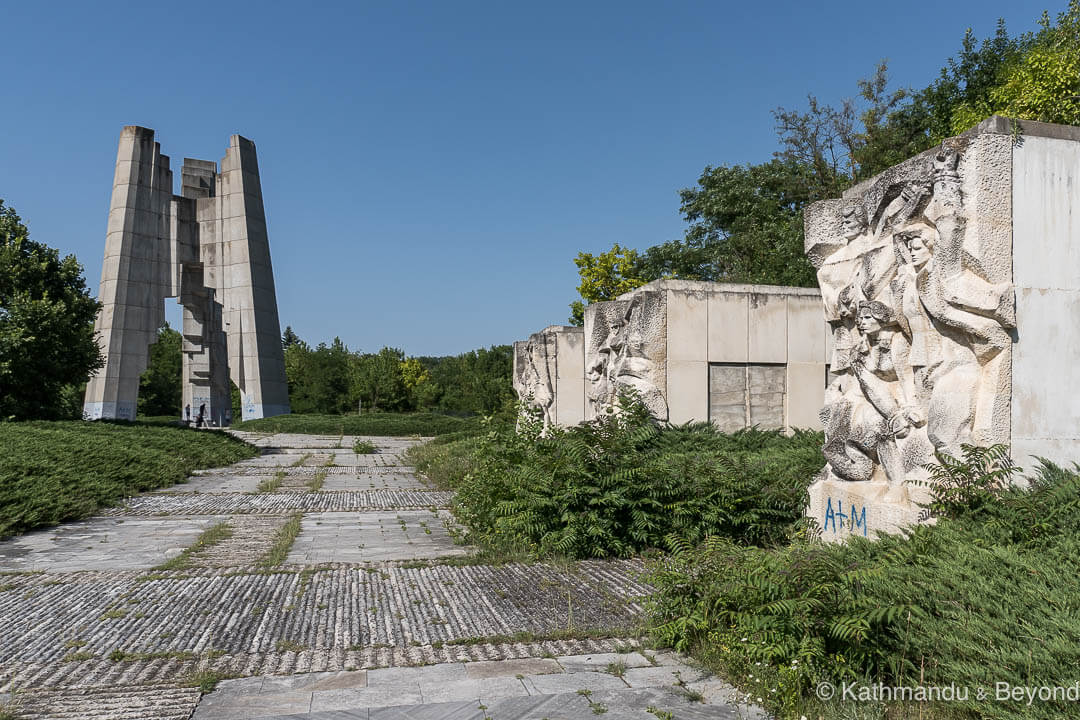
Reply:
x=333, y=379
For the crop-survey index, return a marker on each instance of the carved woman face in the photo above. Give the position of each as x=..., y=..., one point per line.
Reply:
x=920, y=252
x=868, y=324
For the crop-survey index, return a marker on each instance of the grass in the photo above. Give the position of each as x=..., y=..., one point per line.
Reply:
x=209, y=537
x=283, y=542
x=376, y=423
x=316, y=482
x=364, y=447
x=271, y=483
x=205, y=680
x=52, y=472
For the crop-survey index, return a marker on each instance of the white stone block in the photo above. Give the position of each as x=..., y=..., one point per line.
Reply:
x=688, y=391
x=687, y=325
x=729, y=339
x=805, y=330
x=768, y=330
x=806, y=394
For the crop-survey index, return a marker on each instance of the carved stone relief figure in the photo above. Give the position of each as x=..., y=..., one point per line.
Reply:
x=603, y=322
x=627, y=350
x=919, y=330
x=534, y=374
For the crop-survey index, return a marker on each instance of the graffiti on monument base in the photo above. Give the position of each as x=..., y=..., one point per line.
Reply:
x=840, y=521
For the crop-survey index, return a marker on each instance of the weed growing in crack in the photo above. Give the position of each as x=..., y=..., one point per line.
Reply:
x=206, y=680
x=283, y=542
x=315, y=483
x=618, y=669
x=364, y=447
x=209, y=537
x=271, y=483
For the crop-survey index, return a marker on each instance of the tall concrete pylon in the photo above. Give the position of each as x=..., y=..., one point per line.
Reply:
x=209, y=248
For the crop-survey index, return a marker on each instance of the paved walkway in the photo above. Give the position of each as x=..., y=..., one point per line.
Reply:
x=327, y=585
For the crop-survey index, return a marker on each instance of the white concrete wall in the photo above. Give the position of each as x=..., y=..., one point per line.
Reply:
x=756, y=324
x=687, y=352
x=570, y=375
x=1046, y=273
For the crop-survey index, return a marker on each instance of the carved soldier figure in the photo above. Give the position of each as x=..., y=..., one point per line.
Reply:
x=536, y=378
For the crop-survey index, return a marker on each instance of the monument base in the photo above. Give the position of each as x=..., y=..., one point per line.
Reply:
x=865, y=509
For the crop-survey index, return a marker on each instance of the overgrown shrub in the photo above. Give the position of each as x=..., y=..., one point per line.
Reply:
x=985, y=597
x=619, y=484
x=364, y=447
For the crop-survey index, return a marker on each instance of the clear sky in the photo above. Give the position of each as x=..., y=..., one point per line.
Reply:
x=430, y=169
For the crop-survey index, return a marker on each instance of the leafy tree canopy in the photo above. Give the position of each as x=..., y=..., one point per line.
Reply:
x=47, y=343
x=332, y=379
x=604, y=277
x=1041, y=81
x=160, y=391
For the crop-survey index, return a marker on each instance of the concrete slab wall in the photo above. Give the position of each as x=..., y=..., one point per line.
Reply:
x=135, y=274
x=1046, y=274
x=570, y=374
x=767, y=344
x=209, y=248
x=734, y=354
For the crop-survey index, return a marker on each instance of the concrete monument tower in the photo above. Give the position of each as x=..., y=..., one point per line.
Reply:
x=208, y=247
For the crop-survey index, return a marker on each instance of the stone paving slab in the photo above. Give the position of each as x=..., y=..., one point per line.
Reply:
x=372, y=537
x=104, y=544
x=156, y=702
x=252, y=538
x=297, y=441
x=367, y=480
x=216, y=483
x=451, y=691
x=103, y=672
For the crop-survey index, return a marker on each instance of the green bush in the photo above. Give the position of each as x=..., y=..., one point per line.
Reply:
x=376, y=423
x=56, y=471
x=983, y=598
x=364, y=447
x=619, y=484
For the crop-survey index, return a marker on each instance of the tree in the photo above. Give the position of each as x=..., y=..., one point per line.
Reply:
x=289, y=338
x=745, y=225
x=320, y=383
x=1040, y=81
x=376, y=380
x=160, y=391
x=605, y=277
x=47, y=342
x=474, y=383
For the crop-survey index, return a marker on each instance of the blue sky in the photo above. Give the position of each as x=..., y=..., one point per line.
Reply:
x=430, y=169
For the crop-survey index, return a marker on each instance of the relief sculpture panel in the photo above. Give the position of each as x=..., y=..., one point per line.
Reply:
x=917, y=290
x=535, y=372
x=626, y=350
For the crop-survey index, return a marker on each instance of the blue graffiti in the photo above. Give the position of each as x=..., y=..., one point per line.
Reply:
x=839, y=519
